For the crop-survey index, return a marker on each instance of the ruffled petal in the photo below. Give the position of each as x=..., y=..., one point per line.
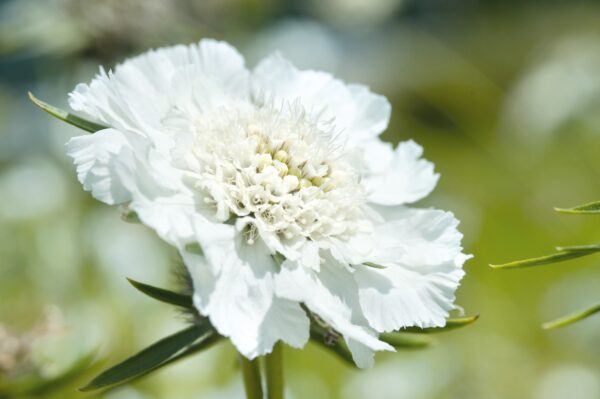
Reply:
x=331, y=294
x=353, y=110
x=99, y=158
x=395, y=177
x=139, y=94
x=239, y=299
x=422, y=258
x=419, y=238
x=121, y=168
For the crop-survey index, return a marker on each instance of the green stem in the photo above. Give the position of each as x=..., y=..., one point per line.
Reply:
x=251, y=376
x=274, y=372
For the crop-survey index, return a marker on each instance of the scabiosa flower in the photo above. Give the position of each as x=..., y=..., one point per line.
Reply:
x=277, y=192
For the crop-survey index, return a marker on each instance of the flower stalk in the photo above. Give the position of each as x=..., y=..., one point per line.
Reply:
x=274, y=372
x=251, y=377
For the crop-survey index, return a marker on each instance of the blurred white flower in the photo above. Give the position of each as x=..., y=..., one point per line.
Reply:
x=279, y=176
x=563, y=87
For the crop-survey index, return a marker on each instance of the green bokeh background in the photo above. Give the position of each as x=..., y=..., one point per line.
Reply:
x=503, y=95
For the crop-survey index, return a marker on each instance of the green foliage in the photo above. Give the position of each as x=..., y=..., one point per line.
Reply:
x=572, y=318
x=589, y=208
x=563, y=254
x=65, y=116
x=153, y=357
x=163, y=295
x=406, y=340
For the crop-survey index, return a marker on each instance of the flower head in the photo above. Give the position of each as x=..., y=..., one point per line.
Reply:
x=279, y=177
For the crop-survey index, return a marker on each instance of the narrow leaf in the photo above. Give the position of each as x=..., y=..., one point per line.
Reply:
x=205, y=342
x=580, y=248
x=589, y=208
x=65, y=116
x=451, y=324
x=571, y=318
x=374, y=265
x=406, y=341
x=148, y=359
x=170, y=297
x=544, y=260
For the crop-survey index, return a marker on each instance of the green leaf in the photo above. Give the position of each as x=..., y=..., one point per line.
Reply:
x=406, y=340
x=571, y=318
x=130, y=217
x=580, y=248
x=566, y=253
x=374, y=265
x=65, y=116
x=589, y=208
x=194, y=248
x=451, y=324
x=170, y=297
x=149, y=358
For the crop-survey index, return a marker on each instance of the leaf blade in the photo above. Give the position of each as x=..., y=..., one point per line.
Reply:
x=65, y=116
x=589, y=208
x=163, y=295
x=147, y=359
x=401, y=340
x=572, y=318
x=543, y=260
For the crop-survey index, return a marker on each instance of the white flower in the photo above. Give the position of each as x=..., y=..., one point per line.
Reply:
x=280, y=177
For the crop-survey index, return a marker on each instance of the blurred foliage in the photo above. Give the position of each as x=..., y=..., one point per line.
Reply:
x=504, y=96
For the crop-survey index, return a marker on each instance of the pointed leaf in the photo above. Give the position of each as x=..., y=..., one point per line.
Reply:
x=451, y=324
x=209, y=339
x=374, y=265
x=170, y=297
x=65, y=116
x=589, y=208
x=544, y=260
x=149, y=358
x=571, y=318
x=406, y=341
x=580, y=248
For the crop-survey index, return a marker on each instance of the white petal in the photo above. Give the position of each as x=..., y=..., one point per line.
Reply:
x=138, y=94
x=397, y=297
x=356, y=112
x=242, y=304
x=419, y=238
x=397, y=177
x=362, y=354
x=423, y=260
x=330, y=293
x=98, y=158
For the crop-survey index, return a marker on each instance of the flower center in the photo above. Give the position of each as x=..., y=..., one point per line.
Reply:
x=281, y=169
